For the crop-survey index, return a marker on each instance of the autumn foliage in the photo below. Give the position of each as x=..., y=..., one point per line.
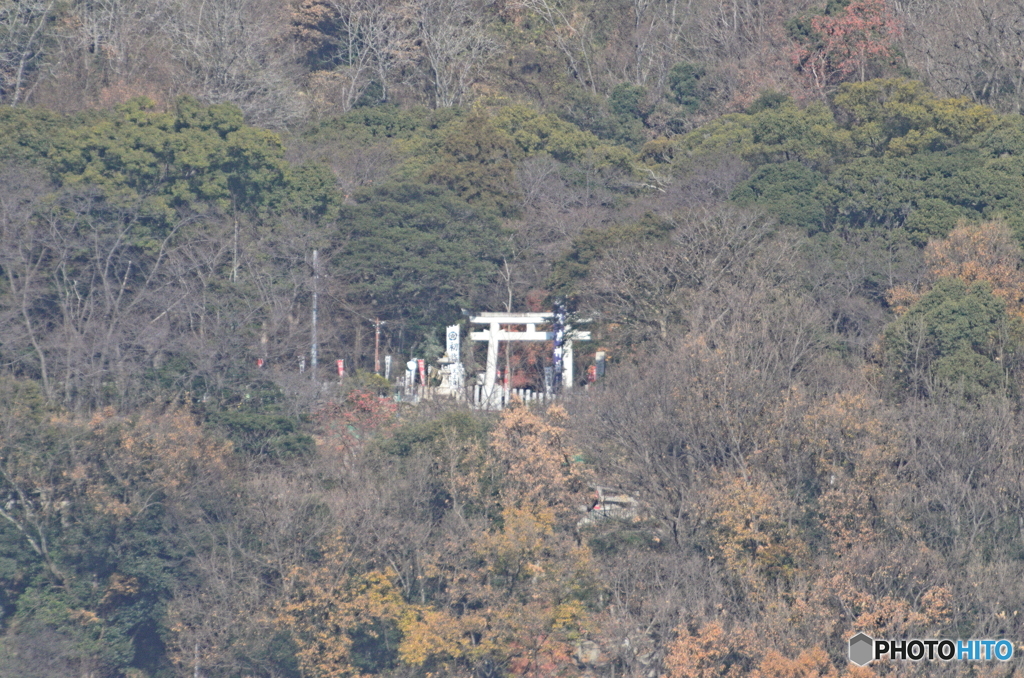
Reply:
x=985, y=251
x=804, y=271
x=507, y=596
x=848, y=42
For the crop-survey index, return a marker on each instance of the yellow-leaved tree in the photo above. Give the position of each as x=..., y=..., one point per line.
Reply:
x=845, y=558
x=515, y=587
x=343, y=620
x=504, y=585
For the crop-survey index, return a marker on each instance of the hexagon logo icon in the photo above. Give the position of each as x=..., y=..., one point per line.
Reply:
x=862, y=649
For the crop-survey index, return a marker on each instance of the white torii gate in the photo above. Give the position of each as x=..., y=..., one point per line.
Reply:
x=494, y=334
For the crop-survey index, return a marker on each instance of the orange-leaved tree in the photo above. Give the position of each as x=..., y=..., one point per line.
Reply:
x=753, y=531
x=157, y=456
x=539, y=468
x=986, y=251
x=345, y=428
x=847, y=42
x=712, y=650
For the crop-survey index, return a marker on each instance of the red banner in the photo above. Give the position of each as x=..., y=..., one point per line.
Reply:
x=422, y=364
x=341, y=368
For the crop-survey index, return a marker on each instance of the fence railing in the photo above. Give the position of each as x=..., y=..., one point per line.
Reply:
x=475, y=395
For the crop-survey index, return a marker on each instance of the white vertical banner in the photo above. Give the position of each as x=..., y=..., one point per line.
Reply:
x=387, y=367
x=453, y=347
x=410, y=376
x=453, y=342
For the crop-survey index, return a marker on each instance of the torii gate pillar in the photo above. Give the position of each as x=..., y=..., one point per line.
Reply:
x=491, y=375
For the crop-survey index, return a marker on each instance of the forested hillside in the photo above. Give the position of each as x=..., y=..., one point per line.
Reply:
x=794, y=228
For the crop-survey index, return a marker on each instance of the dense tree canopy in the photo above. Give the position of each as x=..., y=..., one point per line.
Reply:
x=793, y=229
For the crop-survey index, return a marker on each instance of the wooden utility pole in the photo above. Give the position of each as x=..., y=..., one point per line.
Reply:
x=376, y=347
x=316, y=279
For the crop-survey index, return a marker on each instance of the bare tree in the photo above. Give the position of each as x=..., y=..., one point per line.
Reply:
x=968, y=47
x=244, y=552
x=573, y=35
x=648, y=283
x=233, y=51
x=25, y=268
x=364, y=42
x=644, y=50
x=456, y=45
x=109, y=51
x=42, y=653
x=24, y=32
